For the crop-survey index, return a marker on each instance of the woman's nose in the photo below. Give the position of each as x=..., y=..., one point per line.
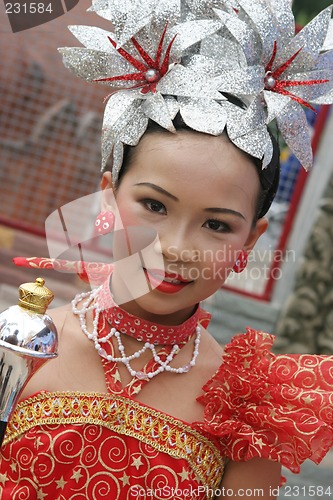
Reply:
x=177, y=244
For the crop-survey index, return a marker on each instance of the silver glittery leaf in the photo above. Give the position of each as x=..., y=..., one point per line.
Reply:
x=284, y=17
x=203, y=115
x=148, y=37
x=255, y=143
x=155, y=108
x=120, y=127
x=93, y=38
x=242, y=122
x=92, y=64
x=268, y=154
x=173, y=106
x=249, y=132
x=203, y=66
x=325, y=61
x=98, y=5
x=328, y=43
x=275, y=103
x=229, y=5
x=107, y=147
x=118, y=110
x=168, y=11
x=224, y=51
x=134, y=128
x=131, y=28
x=260, y=14
x=102, y=8
x=117, y=12
x=181, y=81
x=204, y=8
x=247, y=38
x=118, y=155
x=129, y=16
x=294, y=128
x=310, y=92
x=190, y=33
x=241, y=81
x=309, y=41
x=324, y=99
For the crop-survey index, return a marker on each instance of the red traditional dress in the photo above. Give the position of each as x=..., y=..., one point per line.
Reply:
x=78, y=446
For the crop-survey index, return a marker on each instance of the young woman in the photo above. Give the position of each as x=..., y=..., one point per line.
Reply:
x=142, y=402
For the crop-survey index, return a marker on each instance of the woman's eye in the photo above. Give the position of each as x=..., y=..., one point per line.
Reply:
x=155, y=206
x=217, y=225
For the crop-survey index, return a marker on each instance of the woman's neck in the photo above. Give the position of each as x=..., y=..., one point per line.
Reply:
x=143, y=327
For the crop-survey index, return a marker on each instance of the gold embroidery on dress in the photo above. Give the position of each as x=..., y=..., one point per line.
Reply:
x=124, y=416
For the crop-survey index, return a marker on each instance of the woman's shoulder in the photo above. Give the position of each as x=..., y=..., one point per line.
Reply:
x=77, y=366
x=207, y=365
x=270, y=406
x=60, y=316
x=68, y=326
x=211, y=355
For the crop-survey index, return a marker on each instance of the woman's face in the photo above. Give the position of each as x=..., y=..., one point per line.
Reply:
x=199, y=194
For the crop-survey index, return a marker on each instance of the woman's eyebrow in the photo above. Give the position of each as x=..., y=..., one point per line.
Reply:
x=225, y=211
x=158, y=189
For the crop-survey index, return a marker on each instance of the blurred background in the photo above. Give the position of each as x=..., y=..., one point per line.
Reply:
x=305, y=10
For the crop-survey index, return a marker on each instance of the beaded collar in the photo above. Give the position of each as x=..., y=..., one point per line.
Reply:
x=147, y=331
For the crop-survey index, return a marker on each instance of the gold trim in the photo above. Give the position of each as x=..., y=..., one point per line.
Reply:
x=124, y=416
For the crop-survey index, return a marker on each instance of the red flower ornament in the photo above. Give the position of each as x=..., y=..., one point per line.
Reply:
x=150, y=71
x=275, y=84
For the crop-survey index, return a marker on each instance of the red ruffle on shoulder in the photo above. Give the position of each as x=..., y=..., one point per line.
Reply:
x=278, y=407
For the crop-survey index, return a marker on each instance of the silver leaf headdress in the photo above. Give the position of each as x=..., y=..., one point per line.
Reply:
x=164, y=57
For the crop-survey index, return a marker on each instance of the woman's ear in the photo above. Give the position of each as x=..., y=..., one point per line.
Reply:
x=106, y=181
x=107, y=191
x=255, y=233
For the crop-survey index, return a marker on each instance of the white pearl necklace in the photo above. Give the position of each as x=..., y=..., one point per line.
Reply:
x=92, y=304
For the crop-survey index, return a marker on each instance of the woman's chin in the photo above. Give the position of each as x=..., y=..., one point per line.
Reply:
x=159, y=310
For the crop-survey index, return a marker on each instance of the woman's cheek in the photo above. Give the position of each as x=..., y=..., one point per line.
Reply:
x=227, y=255
x=128, y=214
x=219, y=268
x=216, y=263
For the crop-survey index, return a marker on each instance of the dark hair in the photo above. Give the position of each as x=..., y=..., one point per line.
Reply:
x=268, y=177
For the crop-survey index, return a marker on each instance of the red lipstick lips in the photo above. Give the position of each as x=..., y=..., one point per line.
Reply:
x=166, y=282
